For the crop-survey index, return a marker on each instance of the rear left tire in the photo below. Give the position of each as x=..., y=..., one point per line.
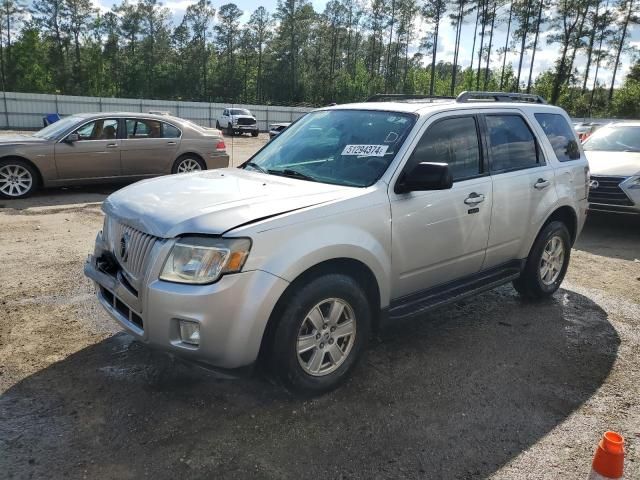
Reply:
x=187, y=164
x=18, y=179
x=547, y=263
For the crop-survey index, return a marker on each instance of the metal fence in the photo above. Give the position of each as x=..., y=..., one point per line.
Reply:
x=24, y=111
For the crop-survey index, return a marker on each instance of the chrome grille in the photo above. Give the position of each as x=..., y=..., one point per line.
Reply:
x=131, y=247
x=607, y=191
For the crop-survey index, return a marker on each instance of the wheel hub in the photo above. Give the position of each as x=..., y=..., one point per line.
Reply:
x=326, y=337
x=15, y=180
x=552, y=260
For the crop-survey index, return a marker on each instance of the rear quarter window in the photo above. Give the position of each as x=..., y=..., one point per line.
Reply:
x=169, y=131
x=560, y=135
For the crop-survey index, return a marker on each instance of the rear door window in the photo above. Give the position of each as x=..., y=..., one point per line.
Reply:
x=512, y=145
x=169, y=131
x=560, y=135
x=139, y=128
x=453, y=141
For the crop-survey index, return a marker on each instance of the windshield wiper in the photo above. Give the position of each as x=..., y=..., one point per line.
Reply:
x=256, y=167
x=287, y=172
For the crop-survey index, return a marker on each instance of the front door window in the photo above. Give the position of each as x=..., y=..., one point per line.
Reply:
x=102, y=129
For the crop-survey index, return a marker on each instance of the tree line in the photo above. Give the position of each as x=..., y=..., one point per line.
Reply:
x=297, y=56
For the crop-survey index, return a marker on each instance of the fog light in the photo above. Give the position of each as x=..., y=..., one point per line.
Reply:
x=190, y=332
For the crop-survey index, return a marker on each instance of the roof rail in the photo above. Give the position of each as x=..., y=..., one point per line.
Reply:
x=398, y=97
x=465, y=97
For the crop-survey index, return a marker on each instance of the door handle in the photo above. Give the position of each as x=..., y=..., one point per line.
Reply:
x=474, y=199
x=112, y=145
x=542, y=183
x=171, y=143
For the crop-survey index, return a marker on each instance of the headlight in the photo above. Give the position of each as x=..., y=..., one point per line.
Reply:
x=633, y=182
x=203, y=260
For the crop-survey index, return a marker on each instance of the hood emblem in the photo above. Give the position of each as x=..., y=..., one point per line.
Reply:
x=593, y=184
x=124, y=246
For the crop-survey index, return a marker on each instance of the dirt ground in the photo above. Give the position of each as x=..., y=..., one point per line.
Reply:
x=492, y=387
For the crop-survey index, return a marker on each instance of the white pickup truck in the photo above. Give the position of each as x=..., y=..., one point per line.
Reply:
x=237, y=120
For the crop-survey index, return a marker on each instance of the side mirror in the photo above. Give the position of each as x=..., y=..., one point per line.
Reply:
x=425, y=176
x=72, y=137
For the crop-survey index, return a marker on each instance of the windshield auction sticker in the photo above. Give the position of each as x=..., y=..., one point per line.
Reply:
x=365, y=150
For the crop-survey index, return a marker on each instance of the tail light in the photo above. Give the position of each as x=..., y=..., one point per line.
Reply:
x=220, y=146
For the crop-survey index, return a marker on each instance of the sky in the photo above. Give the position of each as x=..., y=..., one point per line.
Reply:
x=545, y=54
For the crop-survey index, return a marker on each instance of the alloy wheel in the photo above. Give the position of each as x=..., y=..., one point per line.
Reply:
x=188, y=165
x=326, y=337
x=552, y=260
x=15, y=180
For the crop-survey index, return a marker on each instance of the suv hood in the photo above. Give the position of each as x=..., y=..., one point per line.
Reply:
x=215, y=201
x=618, y=164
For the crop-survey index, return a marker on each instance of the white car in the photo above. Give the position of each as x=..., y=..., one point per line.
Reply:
x=237, y=120
x=353, y=214
x=613, y=153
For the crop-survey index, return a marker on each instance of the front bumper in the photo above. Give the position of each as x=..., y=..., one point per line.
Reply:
x=246, y=128
x=608, y=208
x=232, y=313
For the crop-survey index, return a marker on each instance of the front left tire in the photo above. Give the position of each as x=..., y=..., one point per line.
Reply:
x=321, y=333
x=18, y=179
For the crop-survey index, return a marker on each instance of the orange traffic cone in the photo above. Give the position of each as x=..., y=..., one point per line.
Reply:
x=608, y=460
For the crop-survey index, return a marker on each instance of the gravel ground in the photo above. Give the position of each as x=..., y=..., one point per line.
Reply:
x=492, y=387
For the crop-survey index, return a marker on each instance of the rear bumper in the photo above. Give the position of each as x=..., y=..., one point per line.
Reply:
x=217, y=160
x=232, y=313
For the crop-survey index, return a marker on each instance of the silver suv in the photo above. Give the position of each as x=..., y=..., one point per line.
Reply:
x=354, y=214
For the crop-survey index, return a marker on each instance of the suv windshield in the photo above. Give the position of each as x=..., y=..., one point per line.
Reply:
x=55, y=129
x=614, y=139
x=342, y=147
x=240, y=111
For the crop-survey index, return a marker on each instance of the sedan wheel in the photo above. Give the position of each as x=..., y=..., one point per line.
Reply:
x=326, y=337
x=16, y=180
x=188, y=165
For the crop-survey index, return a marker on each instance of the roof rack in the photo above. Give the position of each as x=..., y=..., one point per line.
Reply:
x=397, y=97
x=465, y=97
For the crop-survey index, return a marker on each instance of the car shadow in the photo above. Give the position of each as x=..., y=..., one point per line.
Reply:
x=611, y=235
x=454, y=394
x=63, y=196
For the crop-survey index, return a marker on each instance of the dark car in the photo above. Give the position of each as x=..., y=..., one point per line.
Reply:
x=276, y=129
